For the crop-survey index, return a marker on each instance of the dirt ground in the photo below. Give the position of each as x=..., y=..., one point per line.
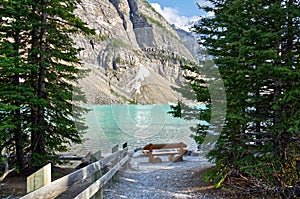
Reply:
x=208, y=189
x=15, y=185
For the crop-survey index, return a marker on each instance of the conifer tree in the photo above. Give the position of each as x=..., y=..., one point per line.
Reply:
x=41, y=68
x=13, y=69
x=255, y=45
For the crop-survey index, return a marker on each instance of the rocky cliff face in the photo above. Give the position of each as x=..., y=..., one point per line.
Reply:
x=134, y=57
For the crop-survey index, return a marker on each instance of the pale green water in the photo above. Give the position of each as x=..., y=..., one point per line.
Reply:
x=137, y=125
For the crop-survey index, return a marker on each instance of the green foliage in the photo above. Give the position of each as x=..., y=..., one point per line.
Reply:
x=119, y=43
x=154, y=21
x=254, y=45
x=153, y=10
x=39, y=68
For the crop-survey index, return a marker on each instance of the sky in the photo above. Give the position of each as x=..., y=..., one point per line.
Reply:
x=178, y=12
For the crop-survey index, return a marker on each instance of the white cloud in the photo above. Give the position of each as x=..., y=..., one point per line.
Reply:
x=204, y=3
x=171, y=15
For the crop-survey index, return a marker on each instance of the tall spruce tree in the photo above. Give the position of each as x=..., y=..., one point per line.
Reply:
x=40, y=68
x=13, y=69
x=255, y=45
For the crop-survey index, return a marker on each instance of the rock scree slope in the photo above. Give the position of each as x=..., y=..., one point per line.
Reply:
x=135, y=56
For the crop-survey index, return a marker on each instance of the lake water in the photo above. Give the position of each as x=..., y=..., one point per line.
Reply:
x=138, y=125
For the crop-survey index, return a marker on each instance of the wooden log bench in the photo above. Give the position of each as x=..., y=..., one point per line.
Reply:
x=175, y=151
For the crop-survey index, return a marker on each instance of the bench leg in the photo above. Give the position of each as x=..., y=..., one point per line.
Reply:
x=150, y=158
x=171, y=158
x=156, y=159
x=178, y=158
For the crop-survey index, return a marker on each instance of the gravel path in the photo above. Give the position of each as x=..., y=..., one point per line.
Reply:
x=159, y=181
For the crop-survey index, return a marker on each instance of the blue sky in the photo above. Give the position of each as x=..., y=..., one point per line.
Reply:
x=179, y=12
x=186, y=8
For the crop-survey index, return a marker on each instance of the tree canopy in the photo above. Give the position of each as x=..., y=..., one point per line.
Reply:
x=255, y=46
x=39, y=67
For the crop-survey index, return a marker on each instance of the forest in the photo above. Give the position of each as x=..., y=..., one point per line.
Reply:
x=39, y=67
x=254, y=45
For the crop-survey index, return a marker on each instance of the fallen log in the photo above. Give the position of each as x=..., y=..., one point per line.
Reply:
x=70, y=157
x=6, y=171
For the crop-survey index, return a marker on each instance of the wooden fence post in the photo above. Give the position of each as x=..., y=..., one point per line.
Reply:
x=126, y=166
x=96, y=157
x=62, y=184
x=115, y=149
x=100, y=183
x=39, y=179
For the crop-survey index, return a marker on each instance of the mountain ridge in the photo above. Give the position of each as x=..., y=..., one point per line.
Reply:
x=131, y=39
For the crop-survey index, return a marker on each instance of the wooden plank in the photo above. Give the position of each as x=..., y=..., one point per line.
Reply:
x=113, y=156
x=99, y=193
x=92, y=189
x=61, y=185
x=97, y=156
x=163, y=153
x=165, y=146
x=39, y=179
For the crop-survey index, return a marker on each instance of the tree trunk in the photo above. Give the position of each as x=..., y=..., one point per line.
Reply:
x=38, y=83
x=41, y=83
x=17, y=132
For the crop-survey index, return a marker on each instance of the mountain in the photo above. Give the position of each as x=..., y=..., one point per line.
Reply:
x=189, y=39
x=190, y=23
x=135, y=56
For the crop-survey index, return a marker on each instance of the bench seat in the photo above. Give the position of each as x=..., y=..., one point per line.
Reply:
x=175, y=151
x=162, y=153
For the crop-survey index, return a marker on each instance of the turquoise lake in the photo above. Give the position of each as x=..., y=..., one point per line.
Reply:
x=138, y=125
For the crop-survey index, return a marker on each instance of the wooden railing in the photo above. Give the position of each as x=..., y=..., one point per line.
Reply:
x=99, y=184
x=116, y=161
